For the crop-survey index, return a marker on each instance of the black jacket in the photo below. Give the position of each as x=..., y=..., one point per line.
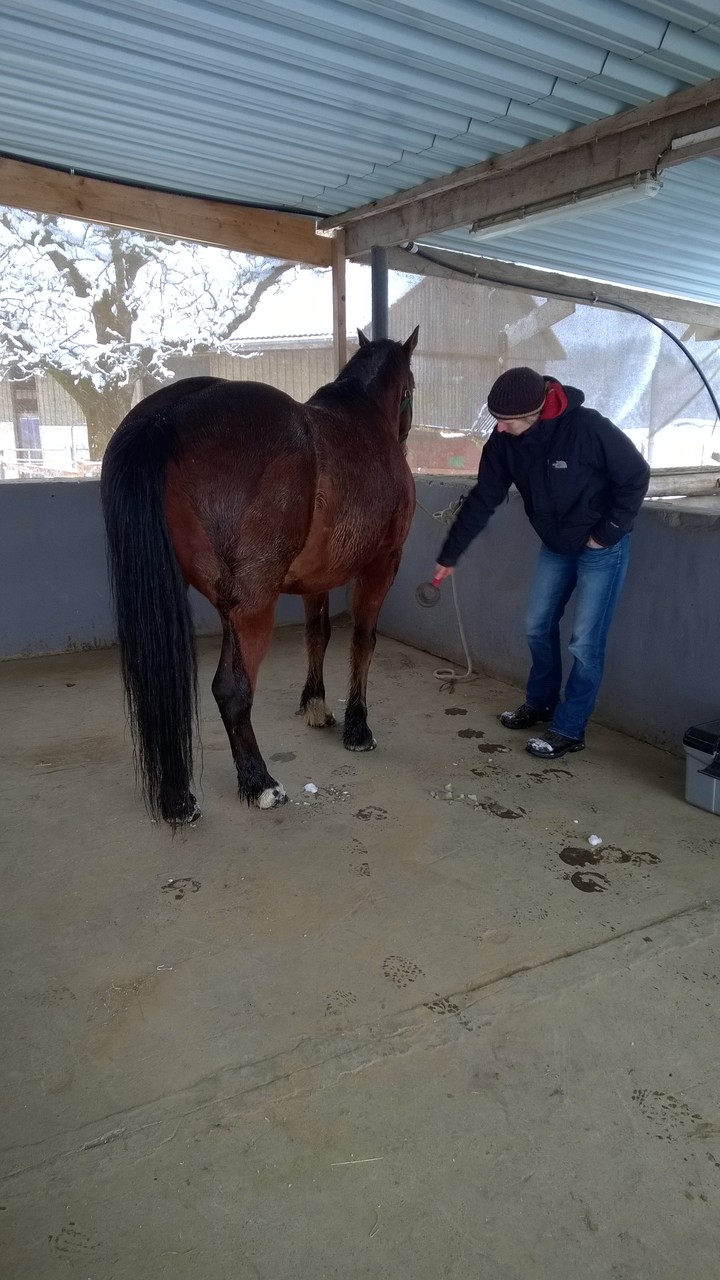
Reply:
x=577, y=475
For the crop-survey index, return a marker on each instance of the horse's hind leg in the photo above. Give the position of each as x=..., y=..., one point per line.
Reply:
x=246, y=638
x=317, y=635
x=371, y=587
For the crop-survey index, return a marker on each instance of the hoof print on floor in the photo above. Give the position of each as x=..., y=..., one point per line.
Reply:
x=490, y=748
x=443, y=1006
x=401, y=971
x=181, y=886
x=545, y=774
x=471, y=733
x=337, y=1001
x=574, y=857
x=499, y=810
x=371, y=811
x=71, y=1242
x=582, y=857
x=590, y=881
x=666, y=1113
x=283, y=757
x=456, y=711
x=593, y=881
x=52, y=996
x=641, y=859
x=707, y=848
x=360, y=868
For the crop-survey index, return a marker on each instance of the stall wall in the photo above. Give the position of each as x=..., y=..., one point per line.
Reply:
x=53, y=575
x=663, y=667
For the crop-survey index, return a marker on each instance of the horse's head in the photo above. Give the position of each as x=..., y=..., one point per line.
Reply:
x=384, y=367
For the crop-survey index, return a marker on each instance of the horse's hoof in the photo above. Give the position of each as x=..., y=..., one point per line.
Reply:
x=186, y=814
x=271, y=797
x=370, y=745
x=317, y=714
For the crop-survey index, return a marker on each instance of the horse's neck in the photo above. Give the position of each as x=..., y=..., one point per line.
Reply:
x=352, y=394
x=387, y=398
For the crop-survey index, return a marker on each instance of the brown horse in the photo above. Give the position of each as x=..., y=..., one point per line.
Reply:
x=238, y=490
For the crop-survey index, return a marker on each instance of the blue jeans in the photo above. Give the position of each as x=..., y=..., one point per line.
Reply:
x=596, y=577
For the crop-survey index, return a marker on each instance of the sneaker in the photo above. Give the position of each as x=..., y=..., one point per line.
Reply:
x=524, y=718
x=553, y=745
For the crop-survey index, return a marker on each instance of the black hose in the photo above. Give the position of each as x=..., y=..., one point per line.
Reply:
x=594, y=297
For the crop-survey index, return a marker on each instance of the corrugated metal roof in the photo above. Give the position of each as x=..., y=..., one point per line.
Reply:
x=321, y=105
x=668, y=244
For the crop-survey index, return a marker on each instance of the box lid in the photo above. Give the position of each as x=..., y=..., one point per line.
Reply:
x=704, y=737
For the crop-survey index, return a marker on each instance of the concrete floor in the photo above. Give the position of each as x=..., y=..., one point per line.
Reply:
x=377, y=1034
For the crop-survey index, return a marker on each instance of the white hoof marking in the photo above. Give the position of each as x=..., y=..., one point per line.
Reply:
x=317, y=714
x=271, y=797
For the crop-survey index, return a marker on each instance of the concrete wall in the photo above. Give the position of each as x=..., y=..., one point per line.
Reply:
x=663, y=663
x=663, y=668
x=53, y=580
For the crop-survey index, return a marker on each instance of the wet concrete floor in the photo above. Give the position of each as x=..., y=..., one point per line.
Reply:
x=375, y=1033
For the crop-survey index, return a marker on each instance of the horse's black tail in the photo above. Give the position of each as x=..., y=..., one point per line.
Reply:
x=152, y=611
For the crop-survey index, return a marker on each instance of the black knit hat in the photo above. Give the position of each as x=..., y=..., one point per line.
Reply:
x=516, y=393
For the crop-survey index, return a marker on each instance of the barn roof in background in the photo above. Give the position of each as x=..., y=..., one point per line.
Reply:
x=320, y=107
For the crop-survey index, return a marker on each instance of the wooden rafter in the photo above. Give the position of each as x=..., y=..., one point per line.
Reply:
x=275, y=235
x=609, y=150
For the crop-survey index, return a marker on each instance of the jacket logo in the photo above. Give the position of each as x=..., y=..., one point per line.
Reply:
x=560, y=465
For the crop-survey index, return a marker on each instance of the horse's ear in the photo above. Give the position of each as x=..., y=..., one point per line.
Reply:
x=411, y=343
x=364, y=342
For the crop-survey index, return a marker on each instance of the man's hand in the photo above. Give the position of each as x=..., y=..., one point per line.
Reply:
x=595, y=546
x=442, y=571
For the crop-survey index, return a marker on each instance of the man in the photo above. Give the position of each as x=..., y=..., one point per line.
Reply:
x=582, y=482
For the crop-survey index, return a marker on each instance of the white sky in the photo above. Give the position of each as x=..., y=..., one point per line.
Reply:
x=303, y=303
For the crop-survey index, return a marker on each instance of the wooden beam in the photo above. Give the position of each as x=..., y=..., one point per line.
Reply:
x=488, y=271
x=339, y=312
x=608, y=150
x=231, y=226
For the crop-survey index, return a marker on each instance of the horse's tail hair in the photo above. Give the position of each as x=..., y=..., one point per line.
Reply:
x=152, y=610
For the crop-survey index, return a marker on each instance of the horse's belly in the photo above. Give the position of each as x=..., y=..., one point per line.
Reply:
x=321, y=565
x=338, y=546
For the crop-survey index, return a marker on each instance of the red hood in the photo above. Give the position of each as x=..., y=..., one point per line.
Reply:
x=556, y=402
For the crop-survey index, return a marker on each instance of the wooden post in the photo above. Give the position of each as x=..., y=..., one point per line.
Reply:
x=339, y=314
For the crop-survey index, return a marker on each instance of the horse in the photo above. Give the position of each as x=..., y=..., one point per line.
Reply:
x=242, y=492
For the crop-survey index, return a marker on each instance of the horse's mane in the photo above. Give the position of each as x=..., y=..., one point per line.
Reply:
x=342, y=392
x=355, y=380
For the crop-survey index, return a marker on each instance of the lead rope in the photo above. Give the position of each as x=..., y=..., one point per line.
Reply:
x=447, y=675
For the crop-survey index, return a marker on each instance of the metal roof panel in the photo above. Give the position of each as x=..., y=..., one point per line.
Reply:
x=636, y=244
x=323, y=105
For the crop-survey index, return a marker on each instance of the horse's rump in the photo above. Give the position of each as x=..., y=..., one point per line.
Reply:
x=240, y=490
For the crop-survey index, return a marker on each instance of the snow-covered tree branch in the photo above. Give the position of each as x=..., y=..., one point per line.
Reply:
x=98, y=308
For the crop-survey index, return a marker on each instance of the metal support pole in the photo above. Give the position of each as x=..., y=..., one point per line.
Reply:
x=379, y=275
